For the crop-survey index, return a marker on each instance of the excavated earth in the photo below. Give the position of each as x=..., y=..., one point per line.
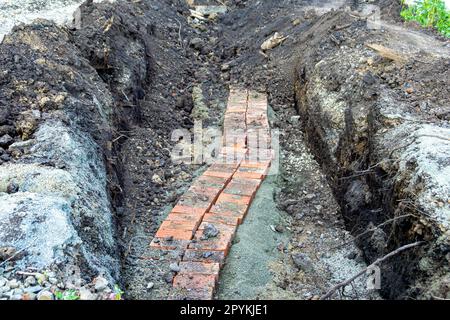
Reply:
x=87, y=111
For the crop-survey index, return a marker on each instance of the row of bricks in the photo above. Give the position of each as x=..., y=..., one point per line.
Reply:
x=221, y=198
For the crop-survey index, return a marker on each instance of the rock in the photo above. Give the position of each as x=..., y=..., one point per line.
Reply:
x=168, y=277
x=225, y=67
x=174, y=267
x=53, y=280
x=12, y=187
x=197, y=44
x=86, y=294
x=6, y=140
x=100, y=284
x=13, y=284
x=30, y=281
x=45, y=295
x=279, y=228
x=210, y=231
x=29, y=296
x=150, y=285
x=157, y=179
x=273, y=41
x=302, y=262
x=33, y=289
x=27, y=123
x=296, y=22
x=6, y=252
x=41, y=278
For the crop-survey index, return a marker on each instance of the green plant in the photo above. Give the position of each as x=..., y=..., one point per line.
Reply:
x=429, y=13
x=67, y=295
x=117, y=294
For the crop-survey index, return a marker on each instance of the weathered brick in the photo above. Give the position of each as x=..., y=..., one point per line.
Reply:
x=250, y=173
x=228, y=219
x=168, y=244
x=194, y=218
x=243, y=187
x=189, y=210
x=233, y=198
x=164, y=255
x=230, y=210
x=221, y=170
x=209, y=256
x=195, y=267
x=221, y=242
x=177, y=234
x=211, y=182
x=195, y=286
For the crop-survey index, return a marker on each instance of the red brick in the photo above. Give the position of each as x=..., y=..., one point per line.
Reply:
x=229, y=210
x=209, y=256
x=196, y=286
x=250, y=173
x=222, y=218
x=189, y=210
x=168, y=244
x=211, y=182
x=195, y=267
x=194, y=218
x=259, y=155
x=243, y=187
x=221, y=170
x=177, y=234
x=262, y=164
x=221, y=242
x=233, y=198
x=164, y=256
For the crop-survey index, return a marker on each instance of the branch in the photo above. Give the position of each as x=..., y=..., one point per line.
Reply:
x=378, y=261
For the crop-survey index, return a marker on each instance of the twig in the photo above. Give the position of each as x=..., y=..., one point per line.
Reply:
x=359, y=274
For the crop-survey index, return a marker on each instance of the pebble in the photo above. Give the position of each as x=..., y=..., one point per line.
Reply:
x=86, y=294
x=100, y=283
x=13, y=284
x=174, y=267
x=30, y=281
x=45, y=295
x=6, y=140
x=302, y=262
x=150, y=285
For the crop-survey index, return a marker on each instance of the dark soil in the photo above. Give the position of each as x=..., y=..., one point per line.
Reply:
x=152, y=56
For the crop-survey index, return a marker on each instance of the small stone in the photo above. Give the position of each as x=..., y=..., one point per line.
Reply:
x=53, y=280
x=100, y=283
x=33, y=289
x=174, y=267
x=168, y=277
x=197, y=44
x=409, y=90
x=13, y=284
x=296, y=22
x=157, y=179
x=225, y=67
x=86, y=294
x=302, y=262
x=6, y=140
x=30, y=281
x=279, y=228
x=150, y=285
x=45, y=295
x=210, y=231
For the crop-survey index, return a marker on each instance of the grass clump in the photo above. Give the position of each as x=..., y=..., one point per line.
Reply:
x=430, y=14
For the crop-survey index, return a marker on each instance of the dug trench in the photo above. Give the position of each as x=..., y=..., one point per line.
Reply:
x=362, y=119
